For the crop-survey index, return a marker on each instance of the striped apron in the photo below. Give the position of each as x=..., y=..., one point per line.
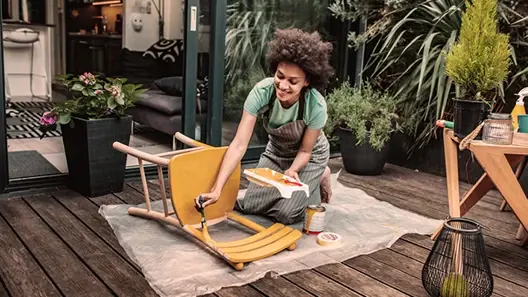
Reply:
x=283, y=145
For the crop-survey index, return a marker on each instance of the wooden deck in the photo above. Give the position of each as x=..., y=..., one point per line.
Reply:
x=57, y=244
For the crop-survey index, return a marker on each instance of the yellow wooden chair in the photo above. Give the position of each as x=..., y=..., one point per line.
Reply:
x=192, y=172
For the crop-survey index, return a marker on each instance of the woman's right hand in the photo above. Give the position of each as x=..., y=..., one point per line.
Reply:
x=209, y=198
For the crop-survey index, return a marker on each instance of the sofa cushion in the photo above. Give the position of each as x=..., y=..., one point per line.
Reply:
x=167, y=104
x=172, y=85
x=160, y=101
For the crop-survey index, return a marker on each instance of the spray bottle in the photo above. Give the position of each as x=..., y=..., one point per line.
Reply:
x=519, y=109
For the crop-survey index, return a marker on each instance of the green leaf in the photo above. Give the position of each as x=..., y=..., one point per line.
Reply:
x=64, y=118
x=120, y=100
x=77, y=87
x=111, y=103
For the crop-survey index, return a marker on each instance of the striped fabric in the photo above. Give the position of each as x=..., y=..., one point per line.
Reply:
x=25, y=122
x=284, y=143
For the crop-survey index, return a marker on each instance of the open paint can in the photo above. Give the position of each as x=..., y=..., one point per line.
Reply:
x=314, y=219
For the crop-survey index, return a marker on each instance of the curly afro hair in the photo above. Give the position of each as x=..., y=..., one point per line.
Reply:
x=304, y=49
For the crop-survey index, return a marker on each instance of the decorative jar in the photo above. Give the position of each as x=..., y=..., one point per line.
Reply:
x=498, y=129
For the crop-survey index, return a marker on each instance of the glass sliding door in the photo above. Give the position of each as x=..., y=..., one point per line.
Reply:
x=27, y=66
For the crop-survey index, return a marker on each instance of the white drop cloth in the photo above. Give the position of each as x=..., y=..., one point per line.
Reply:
x=176, y=265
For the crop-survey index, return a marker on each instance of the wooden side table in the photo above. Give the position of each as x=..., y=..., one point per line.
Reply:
x=498, y=162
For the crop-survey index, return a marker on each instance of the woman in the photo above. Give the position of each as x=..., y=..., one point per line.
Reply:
x=293, y=112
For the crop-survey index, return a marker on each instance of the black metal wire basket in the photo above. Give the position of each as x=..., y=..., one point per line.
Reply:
x=457, y=265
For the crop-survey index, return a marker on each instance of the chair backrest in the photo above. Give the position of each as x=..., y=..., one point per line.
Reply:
x=194, y=173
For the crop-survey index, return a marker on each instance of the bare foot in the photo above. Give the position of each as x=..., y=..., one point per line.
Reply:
x=326, y=186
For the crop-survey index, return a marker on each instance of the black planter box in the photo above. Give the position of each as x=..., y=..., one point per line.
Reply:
x=95, y=167
x=468, y=115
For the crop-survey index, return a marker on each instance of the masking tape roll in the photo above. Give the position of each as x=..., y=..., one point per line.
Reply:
x=328, y=239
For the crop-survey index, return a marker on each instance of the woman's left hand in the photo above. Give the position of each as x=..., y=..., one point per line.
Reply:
x=293, y=174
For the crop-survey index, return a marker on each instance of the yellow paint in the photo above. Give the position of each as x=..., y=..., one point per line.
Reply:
x=309, y=213
x=269, y=174
x=266, y=251
x=258, y=244
x=248, y=240
x=194, y=173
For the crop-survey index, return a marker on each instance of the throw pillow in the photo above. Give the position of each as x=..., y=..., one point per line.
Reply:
x=167, y=50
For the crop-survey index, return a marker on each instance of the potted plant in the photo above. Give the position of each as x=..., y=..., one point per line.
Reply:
x=91, y=121
x=364, y=120
x=478, y=64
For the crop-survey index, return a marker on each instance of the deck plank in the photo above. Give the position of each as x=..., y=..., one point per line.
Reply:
x=278, y=287
x=388, y=275
x=244, y=291
x=68, y=273
x=357, y=281
x=318, y=285
x=87, y=212
x=3, y=290
x=19, y=271
x=121, y=277
x=130, y=195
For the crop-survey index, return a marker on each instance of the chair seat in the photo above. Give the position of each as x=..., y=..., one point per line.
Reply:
x=266, y=243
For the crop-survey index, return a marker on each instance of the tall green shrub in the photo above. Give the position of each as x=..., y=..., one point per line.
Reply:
x=478, y=63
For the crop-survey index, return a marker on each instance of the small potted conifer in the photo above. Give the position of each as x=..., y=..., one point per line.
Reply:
x=477, y=63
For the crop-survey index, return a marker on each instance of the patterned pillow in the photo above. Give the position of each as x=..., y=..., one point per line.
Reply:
x=167, y=50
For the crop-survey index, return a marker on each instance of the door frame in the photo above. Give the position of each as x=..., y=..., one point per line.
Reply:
x=4, y=166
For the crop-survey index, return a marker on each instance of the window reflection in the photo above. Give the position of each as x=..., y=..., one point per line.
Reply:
x=28, y=11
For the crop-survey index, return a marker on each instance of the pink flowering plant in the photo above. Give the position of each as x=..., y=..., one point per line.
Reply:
x=92, y=98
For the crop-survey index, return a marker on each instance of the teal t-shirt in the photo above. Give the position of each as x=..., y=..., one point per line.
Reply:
x=314, y=106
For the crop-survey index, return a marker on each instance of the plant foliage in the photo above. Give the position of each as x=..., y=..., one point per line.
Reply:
x=479, y=61
x=368, y=113
x=92, y=98
x=407, y=40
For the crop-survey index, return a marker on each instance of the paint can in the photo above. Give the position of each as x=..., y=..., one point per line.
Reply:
x=314, y=219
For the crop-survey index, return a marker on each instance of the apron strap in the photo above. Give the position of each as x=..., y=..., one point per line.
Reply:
x=300, y=114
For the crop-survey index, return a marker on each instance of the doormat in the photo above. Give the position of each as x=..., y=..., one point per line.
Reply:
x=175, y=265
x=25, y=121
x=29, y=164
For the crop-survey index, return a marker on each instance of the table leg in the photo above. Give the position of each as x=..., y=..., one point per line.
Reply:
x=451, y=161
x=453, y=190
x=499, y=170
x=479, y=189
x=518, y=172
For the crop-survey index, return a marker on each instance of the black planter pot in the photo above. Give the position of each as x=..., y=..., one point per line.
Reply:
x=361, y=159
x=95, y=167
x=468, y=115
